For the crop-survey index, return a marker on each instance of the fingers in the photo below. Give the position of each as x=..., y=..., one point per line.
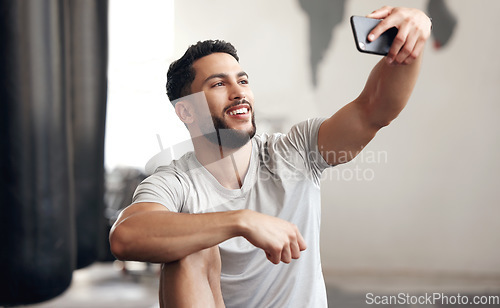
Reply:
x=289, y=248
x=380, y=13
x=406, y=50
x=407, y=46
x=280, y=239
x=413, y=31
x=301, y=242
x=383, y=26
x=280, y=254
x=273, y=257
x=295, y=250
x=286, y=254
x=402, y=45
x=298, y=245
x=419, y=48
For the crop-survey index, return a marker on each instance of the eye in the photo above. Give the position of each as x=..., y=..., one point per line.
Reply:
x=244, y=81
x=218, y=84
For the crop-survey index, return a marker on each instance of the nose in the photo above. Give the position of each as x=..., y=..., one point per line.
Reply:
x=237, y=92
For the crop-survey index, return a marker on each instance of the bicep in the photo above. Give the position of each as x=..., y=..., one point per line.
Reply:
x=342, y=136
x=139, y=207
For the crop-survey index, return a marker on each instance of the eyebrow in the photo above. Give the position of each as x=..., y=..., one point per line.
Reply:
x=224, y=75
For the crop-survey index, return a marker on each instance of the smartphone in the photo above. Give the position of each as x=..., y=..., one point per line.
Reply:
x=362, y=26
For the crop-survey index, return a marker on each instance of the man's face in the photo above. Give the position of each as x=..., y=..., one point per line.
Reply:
x=229, y=98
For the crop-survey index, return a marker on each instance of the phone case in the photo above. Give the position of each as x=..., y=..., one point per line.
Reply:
x=362, y=26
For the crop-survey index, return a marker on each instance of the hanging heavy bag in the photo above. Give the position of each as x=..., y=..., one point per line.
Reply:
x=88, y=53
x=36, y=217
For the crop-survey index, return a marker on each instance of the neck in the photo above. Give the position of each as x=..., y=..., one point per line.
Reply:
x=228, y=166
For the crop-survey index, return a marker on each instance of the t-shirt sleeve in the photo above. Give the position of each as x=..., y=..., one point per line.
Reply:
x=162, y=187
x=304, y=138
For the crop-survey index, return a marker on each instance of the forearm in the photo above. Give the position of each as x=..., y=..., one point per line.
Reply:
x=163, y=236
x=388, y=90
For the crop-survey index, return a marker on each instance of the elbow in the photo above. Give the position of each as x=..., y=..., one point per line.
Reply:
x=126, y=245
x=379, y=120
x=118, y=244
x=381, y=123
x=379, y=112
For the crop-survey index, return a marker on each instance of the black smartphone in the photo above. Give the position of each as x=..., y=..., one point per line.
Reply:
x=362, y=26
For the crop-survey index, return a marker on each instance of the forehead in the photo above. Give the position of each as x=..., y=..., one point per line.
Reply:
x=214, y=64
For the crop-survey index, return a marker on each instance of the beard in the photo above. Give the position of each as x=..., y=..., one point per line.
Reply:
x=227, y=137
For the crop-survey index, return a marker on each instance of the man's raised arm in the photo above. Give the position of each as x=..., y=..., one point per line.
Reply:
x=387, y=90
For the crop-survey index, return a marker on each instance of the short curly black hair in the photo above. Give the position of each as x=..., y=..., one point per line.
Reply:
x=181, y=74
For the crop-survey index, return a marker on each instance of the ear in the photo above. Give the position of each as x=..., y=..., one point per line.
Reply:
x=184, y=111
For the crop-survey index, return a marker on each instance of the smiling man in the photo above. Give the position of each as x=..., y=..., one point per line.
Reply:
x=236, y=222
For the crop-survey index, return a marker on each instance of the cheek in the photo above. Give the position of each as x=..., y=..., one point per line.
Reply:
x=250, y=96
x=214, y=103
x=206, y=106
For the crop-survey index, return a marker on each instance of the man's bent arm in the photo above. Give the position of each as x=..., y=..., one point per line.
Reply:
x=149, y=232
x=389, y=86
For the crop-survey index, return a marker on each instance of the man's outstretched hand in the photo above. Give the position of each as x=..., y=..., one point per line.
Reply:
x=414, y=28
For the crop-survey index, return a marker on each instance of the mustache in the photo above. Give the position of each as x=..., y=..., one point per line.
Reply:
x=239, y=102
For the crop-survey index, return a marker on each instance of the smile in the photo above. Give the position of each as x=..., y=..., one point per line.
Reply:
x=239, y=111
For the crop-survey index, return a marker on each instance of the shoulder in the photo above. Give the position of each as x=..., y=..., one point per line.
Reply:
x=294, y=147
x=174, y=176
x=177, y=170
x=301, y=135
x=295, y=151
x=169, y=185
x=307, y=129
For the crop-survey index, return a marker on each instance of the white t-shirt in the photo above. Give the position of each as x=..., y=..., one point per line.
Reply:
x=283, y=180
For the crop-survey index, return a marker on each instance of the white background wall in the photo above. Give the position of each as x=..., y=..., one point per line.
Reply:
x=432, y=203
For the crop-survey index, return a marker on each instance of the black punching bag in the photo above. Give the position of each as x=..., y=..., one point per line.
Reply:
x=37, y=230
x=88, y=41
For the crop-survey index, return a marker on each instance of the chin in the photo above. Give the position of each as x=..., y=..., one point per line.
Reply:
x=229, y=136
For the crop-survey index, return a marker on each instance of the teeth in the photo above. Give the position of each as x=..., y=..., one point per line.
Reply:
x=238, y=111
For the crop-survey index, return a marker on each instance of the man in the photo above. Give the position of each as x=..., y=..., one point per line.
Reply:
x=215, y=215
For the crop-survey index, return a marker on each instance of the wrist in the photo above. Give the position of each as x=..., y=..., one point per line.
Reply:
x=241, y=222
